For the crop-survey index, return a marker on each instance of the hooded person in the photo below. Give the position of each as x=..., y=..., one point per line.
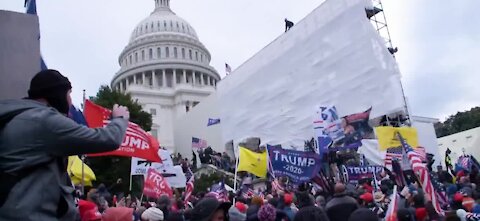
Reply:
x=341, y=206
x=210, y=209
x=36, y=139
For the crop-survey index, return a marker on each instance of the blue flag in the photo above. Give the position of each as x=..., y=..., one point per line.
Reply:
x=299, y=166
x=213, y=121
x=31, y=6
x=76, y=115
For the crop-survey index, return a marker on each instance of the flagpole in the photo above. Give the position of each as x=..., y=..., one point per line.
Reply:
x=83, y=156
x=130, y=183
x=235, y=178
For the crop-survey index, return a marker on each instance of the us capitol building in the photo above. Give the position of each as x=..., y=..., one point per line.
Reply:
x=166, y=69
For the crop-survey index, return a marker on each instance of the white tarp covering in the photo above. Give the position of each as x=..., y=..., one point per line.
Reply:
x=332, y=57
x=369, y=149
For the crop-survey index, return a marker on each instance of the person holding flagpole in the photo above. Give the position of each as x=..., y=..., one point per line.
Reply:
x=36, y=137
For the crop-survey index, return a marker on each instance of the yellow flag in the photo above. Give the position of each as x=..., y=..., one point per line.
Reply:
x=74, y=169
x=252, y=162
x=387, y=136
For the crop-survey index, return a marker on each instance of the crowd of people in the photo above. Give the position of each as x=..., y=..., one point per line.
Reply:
x=347, y=202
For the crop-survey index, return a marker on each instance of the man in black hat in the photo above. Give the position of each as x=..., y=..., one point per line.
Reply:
x=35, y=139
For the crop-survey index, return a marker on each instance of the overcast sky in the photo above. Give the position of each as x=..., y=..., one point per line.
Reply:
x=438, y=41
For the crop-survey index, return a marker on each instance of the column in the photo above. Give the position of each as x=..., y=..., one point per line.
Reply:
x=174, y=83
x=154, y=79
x=143, y=79
x=121, y=85
x=134, y=78
x=201, y=79
x=208, y=80
x=184, y=76
x=164, y=78
x=193, y=78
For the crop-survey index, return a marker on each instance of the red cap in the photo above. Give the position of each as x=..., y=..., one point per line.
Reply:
x=367, y=197
x=421, y=213
x=367, y=187
x=458, y=197
x=288, y=198
x=88, y=211
x=241, y=207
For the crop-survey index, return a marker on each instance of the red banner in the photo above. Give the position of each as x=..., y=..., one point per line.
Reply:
x=155, y=185
x=137, y=142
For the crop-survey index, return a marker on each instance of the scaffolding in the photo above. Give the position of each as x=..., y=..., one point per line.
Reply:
x=376, y=15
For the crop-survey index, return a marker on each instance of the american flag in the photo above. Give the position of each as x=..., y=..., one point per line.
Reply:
x=440, y=191
x=189, y=188
x=423, y=176
x=321, y=181
x=247, y=192
x=276, y=186
x=397, y=152
x=198, y=143
x=393, y=153
x=228, y=69
x=219, y=191
x=391, y=214
x=464, y=163
x=422, y=153
x=472, y=216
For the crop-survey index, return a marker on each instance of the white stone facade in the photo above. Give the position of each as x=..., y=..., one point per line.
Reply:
x=166, y=68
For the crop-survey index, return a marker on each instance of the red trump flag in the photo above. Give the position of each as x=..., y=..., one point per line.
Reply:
x=155, y=185
x=137, y=142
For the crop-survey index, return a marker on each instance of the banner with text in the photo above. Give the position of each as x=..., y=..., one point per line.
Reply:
x=334, y=133
x=155, y=185
x=354, y=174
x=299, y=166
x=137, y=142
x=173, y=174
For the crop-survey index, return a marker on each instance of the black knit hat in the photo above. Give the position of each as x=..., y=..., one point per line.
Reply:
x=53, y=87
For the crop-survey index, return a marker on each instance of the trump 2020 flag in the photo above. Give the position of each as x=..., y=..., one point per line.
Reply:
x=213, y=121
x=252, y=162
x=137, y=142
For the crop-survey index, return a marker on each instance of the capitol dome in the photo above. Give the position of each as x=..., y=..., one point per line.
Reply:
x=166, y=68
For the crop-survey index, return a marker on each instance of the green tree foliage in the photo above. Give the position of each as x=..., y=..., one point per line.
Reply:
x=109, y=168
x=459, y=122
